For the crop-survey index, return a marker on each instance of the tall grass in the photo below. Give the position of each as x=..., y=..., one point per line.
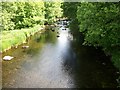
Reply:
x=14, y=38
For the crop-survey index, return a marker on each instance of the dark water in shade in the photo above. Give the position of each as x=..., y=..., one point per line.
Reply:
x=56, y=62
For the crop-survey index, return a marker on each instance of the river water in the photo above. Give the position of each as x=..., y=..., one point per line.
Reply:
x=56, y=61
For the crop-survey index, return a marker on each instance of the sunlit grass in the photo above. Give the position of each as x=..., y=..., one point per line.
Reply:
x=16, y=37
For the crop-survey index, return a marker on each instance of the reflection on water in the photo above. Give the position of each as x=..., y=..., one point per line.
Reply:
x=51, y=62
x=42, y=63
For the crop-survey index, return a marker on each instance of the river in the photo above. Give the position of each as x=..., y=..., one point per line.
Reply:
x=56, y=61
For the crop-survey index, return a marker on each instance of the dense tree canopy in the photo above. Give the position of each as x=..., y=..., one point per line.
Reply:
x=100, y=24
x=52, y=11
x=17, y=15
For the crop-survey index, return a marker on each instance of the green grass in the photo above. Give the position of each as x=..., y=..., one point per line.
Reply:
x=16, y=37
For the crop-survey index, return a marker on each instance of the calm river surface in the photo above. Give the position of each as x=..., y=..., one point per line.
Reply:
x=56, y=62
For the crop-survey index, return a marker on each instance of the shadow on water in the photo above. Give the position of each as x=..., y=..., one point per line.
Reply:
x=57, y=62
x=93, y=69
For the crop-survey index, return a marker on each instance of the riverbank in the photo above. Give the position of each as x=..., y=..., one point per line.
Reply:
x=14, y=38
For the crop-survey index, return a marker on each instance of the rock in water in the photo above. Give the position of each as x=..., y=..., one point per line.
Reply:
x=58, y=36
x=24, y=47
x=7, y=58
x=53, y=30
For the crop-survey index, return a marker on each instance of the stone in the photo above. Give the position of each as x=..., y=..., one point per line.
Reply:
x=58, y=36
x=7, y=58
x=24, y=47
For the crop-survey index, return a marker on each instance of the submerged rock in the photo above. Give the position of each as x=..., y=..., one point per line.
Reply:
x=58, y=36
x=7, y=58
x=53, y=30
x=24, y=47
x=64, y=29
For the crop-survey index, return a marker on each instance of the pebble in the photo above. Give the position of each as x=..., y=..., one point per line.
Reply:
x=17, y=67
x=13, y=80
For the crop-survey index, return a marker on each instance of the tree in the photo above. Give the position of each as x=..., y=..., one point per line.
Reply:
x=99, y=22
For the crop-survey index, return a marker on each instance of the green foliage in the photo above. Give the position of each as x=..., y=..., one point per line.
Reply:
x=100, y=24
x=69, y=9
x=17, y=15
x=52, y=11
x=6, y=16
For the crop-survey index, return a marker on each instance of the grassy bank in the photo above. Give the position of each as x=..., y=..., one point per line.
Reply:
x=14, y=38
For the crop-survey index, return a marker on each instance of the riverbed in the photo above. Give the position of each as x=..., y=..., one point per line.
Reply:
x=55, y=60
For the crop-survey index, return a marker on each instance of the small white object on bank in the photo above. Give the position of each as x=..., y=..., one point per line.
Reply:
x=7, y=58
